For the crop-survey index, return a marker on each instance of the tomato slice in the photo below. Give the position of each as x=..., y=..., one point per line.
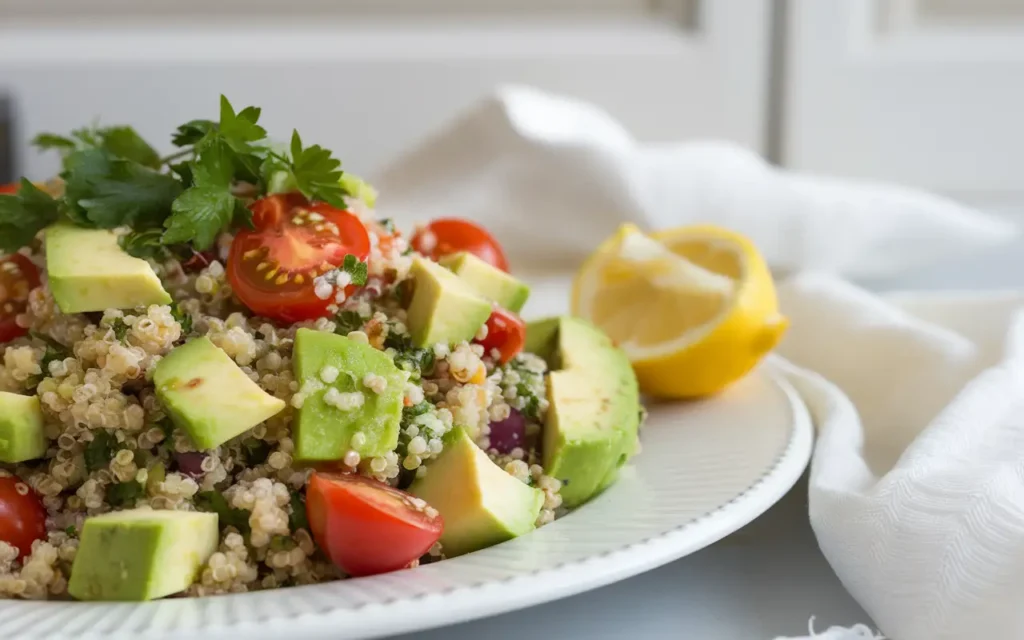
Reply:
x=446, y=236
x=271, y=268
x=10, y=187
x=506, y=332
x=18, y=276
x=22, y=515
x=367, y=527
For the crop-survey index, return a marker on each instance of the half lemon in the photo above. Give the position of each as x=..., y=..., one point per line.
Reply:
x=694, y=308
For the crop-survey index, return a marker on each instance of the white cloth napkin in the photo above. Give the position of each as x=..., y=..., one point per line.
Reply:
x=917, y=481
x=552, y=177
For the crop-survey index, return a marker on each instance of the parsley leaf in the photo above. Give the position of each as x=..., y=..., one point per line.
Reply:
x=297, y=519
x=241, y=127
x=356, y=268
x=100, y=450
x=349, y=321
x=181, y=317
x=282, y=543
x=125, y=142
x=199, y=215
x=192, y=132
x=144, y=244
x=52, y=141
x=120, y=328
x=54, y=351
x=229, y=516
x=24, y=214
x=124, y=494
x=112, y=192
x=317, y=174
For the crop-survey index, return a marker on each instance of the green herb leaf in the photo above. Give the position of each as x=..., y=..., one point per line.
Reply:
x=125, y=142
x=215, y=502
x=71, y=530
x=24, y=214
x=282, y=543
x=54, y=351
x=52, y=141
x=241, y=127
x=184, y=171
x=388, y=224
x=408, y=413
x=215, y=165
x=297, y=519
x=348, y=321
x=120, y=328
x=182, y=318
x=124, y=494
x=356, y=268
x=199, y=215
x=100, y=450
x=316, y=172
x=167, y=426
x=192, y=132
x=144, y=244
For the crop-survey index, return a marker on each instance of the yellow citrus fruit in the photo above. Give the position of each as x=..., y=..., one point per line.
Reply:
x=694, y=307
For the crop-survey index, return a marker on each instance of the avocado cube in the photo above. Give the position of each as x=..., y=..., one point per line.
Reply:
x=591, y=426
x=88, y=271
x=488, y=281
x=206, y=394
x=480, y=503
x=21, y=428
x=444, y=309
x=331, y=371
x=141, y=554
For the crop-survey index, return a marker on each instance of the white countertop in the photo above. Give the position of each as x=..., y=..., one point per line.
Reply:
x=763, y=581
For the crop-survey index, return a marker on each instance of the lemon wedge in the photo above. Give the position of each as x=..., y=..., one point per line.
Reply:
x=694, y=308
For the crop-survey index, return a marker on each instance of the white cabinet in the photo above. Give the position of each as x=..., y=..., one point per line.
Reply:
x=369, y=78
x=926, y=92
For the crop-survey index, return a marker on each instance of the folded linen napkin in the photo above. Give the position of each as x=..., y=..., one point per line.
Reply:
x=917, y=481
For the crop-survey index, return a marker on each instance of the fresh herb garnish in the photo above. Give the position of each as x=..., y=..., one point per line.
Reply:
x=349, y=321
x=23, y=215
x=214, y=501
x=408, y=357
x=124, y=494
x=71, y=530
x=121, y=141
x=100, y=450
x=54, y=351
x=120, y=329
x=355, y=268
x=282, y=543
x=297, y=519
x=408, y=413
x=388, y=225
x=182, y=317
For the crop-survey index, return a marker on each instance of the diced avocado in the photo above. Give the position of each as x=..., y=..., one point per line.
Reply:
x=488, y=281
x=481, y=505
x=89, y=271
x=21, y=428
x=207, y=395
x=141, y=554
x=359, y=188
x=327, y=366
x=591, y=426
x=444, y=308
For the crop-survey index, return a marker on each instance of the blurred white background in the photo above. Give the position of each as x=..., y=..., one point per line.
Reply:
x=924, y=92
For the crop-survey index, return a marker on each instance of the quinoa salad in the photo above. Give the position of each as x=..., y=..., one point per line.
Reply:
x=223, y=372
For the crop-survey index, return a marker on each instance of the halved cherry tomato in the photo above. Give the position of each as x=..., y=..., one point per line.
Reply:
x=272, y=267
x=446, y=236
x=10, y=188
x=18, y=276
x=22, y=516
x=506, y=332
x=367, y=527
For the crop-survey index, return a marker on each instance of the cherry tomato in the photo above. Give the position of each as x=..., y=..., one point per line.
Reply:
x=18, y=276
x=506, y=332
x=10, y=188
x=367, y=527
x=446, y=236
x=271, y=268
x=22, y=516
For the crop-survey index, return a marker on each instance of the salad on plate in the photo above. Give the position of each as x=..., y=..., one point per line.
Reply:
x=221, y=373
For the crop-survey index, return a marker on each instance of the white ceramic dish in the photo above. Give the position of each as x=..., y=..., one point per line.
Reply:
x=706, y=469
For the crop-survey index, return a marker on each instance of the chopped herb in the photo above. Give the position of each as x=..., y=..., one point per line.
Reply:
x=388, y=225
x=120, y=329
x=192, y=132
x=297, y=519
x=181, y=317
x=167, y=427
x=282, y=543
x=356, y=268
x=100, y=450
x=531, y=407
x=255, y=451
x=215, y=502
x=144, y=244
x=124, y=494
x=54, y=351
x=23, y=215
x=408, y=413
x=71, y=530
x=349, y=321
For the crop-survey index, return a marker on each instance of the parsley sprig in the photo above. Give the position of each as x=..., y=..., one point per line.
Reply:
x=113, y=178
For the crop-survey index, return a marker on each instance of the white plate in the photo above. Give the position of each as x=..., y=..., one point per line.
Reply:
x=706, y=470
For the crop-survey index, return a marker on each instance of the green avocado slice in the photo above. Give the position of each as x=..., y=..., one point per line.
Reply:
x=488, y=281
x=593, y=417
x=21, y=428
